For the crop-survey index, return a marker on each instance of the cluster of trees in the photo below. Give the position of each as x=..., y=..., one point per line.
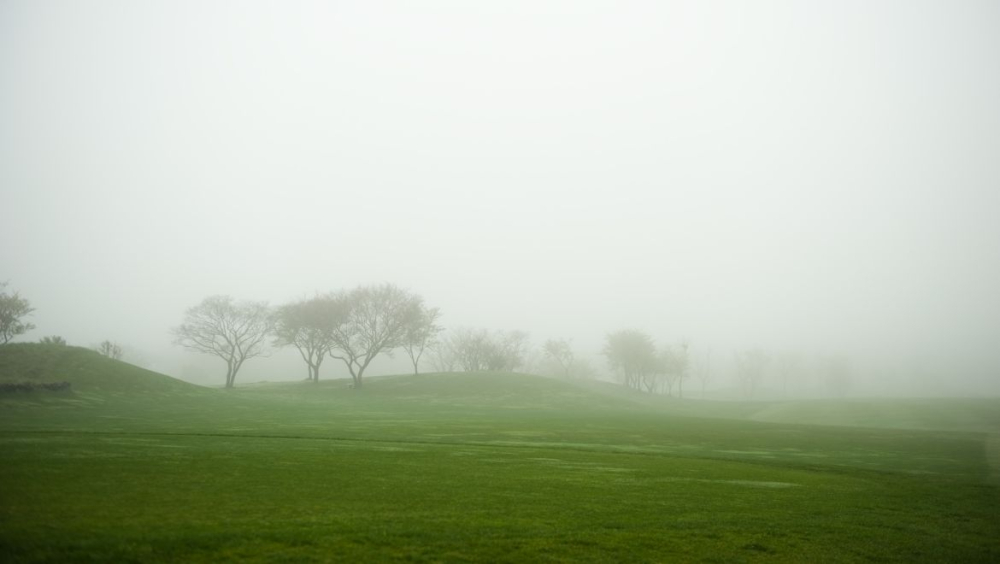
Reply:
x=354, y=327
x=473, y=350
x=634, y=357
x=108, y=349
x=642, y=365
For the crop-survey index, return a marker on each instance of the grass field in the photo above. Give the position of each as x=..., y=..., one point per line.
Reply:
x=134, y=466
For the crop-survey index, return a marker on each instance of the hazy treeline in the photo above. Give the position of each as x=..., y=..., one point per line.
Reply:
x=359, y=325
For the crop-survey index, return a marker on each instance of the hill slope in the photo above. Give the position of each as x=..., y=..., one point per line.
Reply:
x=85, y=370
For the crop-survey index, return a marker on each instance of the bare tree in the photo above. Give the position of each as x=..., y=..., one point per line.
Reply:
x=110, y=350
x=472, y=349
x=443, y=357
x=508, y=351
x=308, y=325
x=421, y=334
x=375, y=321
x=13, y=310
x=478, y=349
x=234, y=332
x=633, y=354
x=561, y=352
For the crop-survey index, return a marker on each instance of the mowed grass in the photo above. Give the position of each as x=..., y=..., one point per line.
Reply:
x=470, y=467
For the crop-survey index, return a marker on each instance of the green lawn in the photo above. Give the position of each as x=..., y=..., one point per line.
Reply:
x=471, y=467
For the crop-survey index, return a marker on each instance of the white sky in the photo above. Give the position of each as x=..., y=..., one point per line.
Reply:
x=823, y=175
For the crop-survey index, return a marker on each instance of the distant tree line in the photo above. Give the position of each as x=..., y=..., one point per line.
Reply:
x=359, y=325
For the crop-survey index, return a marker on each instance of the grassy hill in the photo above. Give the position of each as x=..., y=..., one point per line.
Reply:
x=85, y=370
x=473, y=467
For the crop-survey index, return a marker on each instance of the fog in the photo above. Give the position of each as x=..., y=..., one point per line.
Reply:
x=790, y=176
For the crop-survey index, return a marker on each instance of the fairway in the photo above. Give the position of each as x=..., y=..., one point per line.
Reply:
x=469, y=468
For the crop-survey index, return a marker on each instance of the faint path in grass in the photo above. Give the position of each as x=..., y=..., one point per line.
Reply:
x=993, y=456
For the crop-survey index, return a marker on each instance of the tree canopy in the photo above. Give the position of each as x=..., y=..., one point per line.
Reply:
x=13, y=310
x=233, y=331
x=374, y=320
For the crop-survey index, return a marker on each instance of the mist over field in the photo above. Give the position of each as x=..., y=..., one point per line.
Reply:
x=786, y=176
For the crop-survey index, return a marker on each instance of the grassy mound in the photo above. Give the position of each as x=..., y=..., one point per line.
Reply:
x=84, y=369
x=503, y=391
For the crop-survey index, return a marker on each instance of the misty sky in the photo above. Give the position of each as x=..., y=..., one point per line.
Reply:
x=823, y=175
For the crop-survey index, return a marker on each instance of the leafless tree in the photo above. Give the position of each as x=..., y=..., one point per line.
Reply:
x=110, y=350
x=309, y=325
x=472, y=349
x=13, y=310
x=234, y=332
x=508, y=351
x=561, y=352
x=421, y=334
x=443, y=357
x=375, y=321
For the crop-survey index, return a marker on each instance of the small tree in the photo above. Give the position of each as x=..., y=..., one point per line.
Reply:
x=110, y=350
x=633, y=354
x=13, y=310
x=561, y=352
x=443, y=357
x=53, y=340
x=421, y=334
x=507, y=351
x=308, y=325
x=234, y=332
x=471, y=348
